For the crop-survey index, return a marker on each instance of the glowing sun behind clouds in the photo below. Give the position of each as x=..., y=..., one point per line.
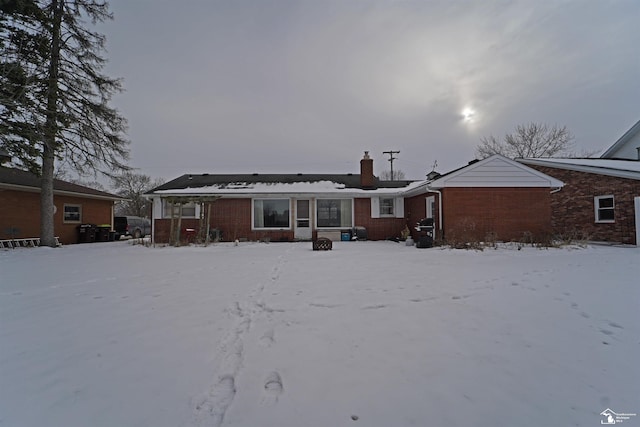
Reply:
x=468, y=115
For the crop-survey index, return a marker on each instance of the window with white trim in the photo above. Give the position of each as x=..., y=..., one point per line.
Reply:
x=334, y=213
x=72, y=213
x=386, y=206
x=188, y=209
x=604, y=208
x=271, y=213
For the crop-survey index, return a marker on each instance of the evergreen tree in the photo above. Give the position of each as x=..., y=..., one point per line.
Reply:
x=23, y=54
x=54, y=95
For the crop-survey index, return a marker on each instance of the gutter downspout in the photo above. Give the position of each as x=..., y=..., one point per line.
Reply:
x=439, y=193
x=153, y=223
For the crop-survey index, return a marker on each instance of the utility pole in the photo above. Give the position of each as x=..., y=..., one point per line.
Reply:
x=391, y=159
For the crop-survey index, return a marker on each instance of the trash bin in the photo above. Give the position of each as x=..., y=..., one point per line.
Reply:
x=424, y=242
x=345, y=235
x=112, y=236
x=360, y=233
x=86, y=233
x=102, y=233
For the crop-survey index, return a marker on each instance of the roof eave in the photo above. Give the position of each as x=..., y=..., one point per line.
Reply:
x=584, y=168
x=622, y=140
x=29, y=189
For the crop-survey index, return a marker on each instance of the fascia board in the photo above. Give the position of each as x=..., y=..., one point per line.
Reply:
x=587, y=169
x=27, y=189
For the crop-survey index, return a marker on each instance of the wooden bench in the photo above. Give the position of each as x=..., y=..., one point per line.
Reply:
x=322, y=244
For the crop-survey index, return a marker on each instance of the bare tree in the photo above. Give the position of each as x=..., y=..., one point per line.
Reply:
x=398, y=175
x=132, y=186
x=531, y=140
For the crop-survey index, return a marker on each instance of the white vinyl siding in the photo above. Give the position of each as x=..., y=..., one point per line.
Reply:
x=496, y=171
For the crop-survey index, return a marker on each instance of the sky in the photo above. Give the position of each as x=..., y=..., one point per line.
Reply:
x=289, y=86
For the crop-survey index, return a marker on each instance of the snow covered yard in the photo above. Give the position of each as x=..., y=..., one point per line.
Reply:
x=368, y=334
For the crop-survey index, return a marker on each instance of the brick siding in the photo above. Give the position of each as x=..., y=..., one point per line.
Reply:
x=573, y=210
x=233, y=218
x=377, y=228
x=21, y=210
x=498, y=213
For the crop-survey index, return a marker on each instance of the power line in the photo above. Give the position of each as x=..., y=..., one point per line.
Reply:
x=391, y=159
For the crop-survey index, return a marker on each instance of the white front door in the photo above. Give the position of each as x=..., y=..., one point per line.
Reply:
x=303, y=220
x=431, y=207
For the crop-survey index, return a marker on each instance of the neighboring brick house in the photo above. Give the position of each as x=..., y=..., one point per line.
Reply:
x=74, y=205
x=494, y=196
x=600, y=200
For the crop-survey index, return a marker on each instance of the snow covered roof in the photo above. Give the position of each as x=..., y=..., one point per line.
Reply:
x=262, y=184
x=495, y=171
x=612, y=167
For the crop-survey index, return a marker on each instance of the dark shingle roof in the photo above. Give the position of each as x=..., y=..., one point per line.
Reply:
x=22, y=178
x=204, y=180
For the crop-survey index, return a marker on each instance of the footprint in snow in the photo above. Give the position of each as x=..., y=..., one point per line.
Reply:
x=273, y=388
x=374, y=307
x=268, y=338
x=325, y=305
x=215, y=404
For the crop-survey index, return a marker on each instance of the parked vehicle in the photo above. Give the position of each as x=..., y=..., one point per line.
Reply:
x=133, y=226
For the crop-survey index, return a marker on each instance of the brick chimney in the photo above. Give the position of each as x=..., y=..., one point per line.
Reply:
x=367, y=180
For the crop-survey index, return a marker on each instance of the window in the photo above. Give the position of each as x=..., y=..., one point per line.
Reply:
x=271, y=213
x=334, y=213
x=386, y=207
x=72, y=213
x=188, y=209
x=604, y=208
